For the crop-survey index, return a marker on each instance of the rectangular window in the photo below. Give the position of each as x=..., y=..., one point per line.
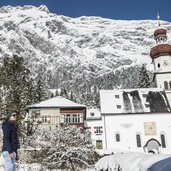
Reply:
x=98, y=129
x=99, y=144
x=138, y=137
x=118, y=106
x=74, y=118
x=117, y=96
x=91, y=114
x=71, y=118
x=163, y=142
x=78, y=118
x=88, y=128
x=117, y=137
x=67, y=118
x=44, y=119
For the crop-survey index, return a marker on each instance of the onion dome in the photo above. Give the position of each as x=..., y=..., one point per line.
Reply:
x=160, y=31
x=160, y=35
x=160, y=50
x=162, y=47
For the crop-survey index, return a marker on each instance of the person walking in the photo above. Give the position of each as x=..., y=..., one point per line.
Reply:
x=10, y=141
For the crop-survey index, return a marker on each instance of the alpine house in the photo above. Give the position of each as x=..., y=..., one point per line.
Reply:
x=58, y=111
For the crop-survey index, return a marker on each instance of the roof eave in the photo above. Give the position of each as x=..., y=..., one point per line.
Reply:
x=40, y=107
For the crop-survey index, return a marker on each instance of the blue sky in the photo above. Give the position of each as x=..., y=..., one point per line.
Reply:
x=114, y=9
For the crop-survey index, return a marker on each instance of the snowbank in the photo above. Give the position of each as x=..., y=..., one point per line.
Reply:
x=129, y=161
x=22, y=167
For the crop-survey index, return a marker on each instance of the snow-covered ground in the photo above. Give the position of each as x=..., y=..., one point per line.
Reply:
x=128, y=161
x=24, y=167
x=32, y=167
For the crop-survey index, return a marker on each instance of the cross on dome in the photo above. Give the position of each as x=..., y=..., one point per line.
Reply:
x=158, y=18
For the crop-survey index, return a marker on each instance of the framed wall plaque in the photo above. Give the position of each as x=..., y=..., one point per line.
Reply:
x=150, y=128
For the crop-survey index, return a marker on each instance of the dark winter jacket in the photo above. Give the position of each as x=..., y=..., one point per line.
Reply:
x=10, y=137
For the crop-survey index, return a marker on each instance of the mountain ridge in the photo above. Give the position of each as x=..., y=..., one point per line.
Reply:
x=78, y=53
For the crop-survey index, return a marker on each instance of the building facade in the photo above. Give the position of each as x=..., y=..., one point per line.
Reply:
x=94, y=124
x=58, y=111
x=136, y=120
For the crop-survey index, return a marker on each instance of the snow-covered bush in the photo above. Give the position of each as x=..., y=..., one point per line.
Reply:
x=66, y=147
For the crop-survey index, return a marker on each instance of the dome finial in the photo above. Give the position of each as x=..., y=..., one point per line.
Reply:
x=158, y=19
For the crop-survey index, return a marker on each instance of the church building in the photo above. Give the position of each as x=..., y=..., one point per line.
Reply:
x=139, y=119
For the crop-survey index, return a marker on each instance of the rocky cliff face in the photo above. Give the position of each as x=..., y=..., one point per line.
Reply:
x=81, y=54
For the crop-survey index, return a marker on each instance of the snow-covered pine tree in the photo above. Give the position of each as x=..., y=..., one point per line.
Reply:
x=31, y=92
x=72, y=97
x=15, y=79
x=64, y=93
x=17, y=88
x=97, y=100
x=57, y=93
x=40, y=90
x=144, y=80
x=1, y=104
x=51, y=95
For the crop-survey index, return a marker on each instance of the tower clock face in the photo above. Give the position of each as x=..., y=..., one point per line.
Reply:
x=165, y=63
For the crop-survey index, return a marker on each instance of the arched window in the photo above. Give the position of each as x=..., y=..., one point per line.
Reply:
x=117, y=136
x=166, y=85
x=170, y=84
x=163, y=141
x=138, y=138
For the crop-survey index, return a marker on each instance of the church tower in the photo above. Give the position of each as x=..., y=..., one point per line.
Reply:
x=161, y=57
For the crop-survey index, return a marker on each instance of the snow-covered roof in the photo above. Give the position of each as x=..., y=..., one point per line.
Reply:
x=56, y=102
x=147, y=100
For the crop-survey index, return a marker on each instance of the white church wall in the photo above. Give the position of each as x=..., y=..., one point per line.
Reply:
x=129, y=125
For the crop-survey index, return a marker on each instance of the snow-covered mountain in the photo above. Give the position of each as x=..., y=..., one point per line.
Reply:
x=77, y=53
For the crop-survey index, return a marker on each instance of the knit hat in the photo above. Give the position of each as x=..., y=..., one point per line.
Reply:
x=9, y=114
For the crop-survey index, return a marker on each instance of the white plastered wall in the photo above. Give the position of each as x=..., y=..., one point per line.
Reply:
x=129, y=125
